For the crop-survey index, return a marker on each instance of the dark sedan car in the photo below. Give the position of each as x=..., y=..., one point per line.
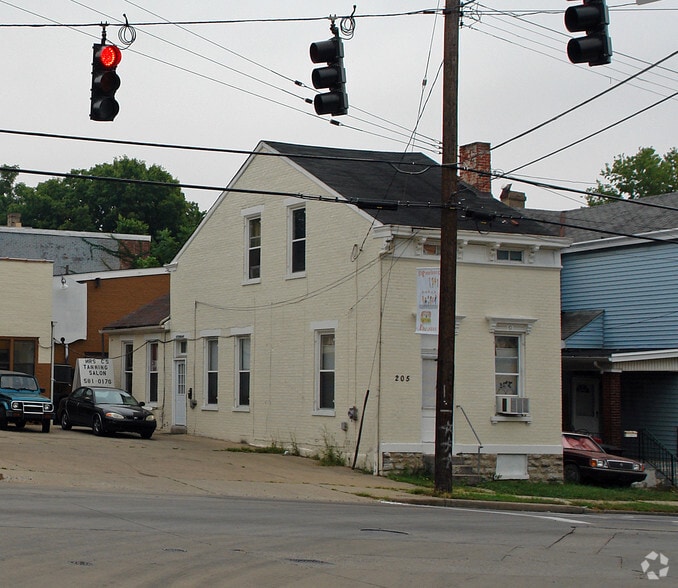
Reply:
x=585, y=460
x=106, y=410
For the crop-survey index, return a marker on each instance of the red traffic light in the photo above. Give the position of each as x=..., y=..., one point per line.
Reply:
x=108, y=56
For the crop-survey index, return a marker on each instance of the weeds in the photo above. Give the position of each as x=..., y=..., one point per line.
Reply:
x=330, y=454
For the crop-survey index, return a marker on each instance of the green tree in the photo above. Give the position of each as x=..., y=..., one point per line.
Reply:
x=77, y=204
x=635, y=176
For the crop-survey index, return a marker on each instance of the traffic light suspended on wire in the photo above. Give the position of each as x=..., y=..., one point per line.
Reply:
x=105, y=82
x=596, y=47
x=332, y=77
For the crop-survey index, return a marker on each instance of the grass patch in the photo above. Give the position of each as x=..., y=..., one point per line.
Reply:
x=594, y=497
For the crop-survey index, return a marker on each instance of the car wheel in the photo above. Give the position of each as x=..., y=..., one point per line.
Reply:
x=46, y=425
x=3, y=420
x=65, y=422
x=20, y=424
x=97, y=426
x=571, y=473
x=146, y=434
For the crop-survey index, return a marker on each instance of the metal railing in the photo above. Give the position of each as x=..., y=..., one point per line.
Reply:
x=650, y=450
x=480, y=443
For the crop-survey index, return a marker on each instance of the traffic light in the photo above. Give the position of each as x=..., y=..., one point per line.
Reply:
x=333, y=76
x=596, y=47
x=105, y=82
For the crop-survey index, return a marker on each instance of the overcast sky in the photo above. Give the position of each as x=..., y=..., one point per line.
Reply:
x=232, y=85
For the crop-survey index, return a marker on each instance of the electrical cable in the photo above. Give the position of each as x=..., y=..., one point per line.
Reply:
x=589, y=136
x=585, y=102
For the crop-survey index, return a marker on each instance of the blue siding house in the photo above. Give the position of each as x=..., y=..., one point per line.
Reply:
x=619, y=291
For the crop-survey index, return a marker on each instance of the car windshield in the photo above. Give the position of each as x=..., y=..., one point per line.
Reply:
x=583, y=443
x=19, y=382
x=114, y=397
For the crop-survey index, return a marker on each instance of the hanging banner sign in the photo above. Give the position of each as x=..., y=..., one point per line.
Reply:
x=428, y=296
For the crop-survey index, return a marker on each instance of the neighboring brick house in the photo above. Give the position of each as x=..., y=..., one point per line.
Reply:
x=91, y=286
x=291, y=314
x=85, y=303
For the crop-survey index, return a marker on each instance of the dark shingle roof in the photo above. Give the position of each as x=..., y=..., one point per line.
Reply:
x=620, y=217
x=150, y=315
x=403, y=177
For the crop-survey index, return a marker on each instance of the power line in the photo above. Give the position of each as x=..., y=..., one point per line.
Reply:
x=429, y=144
x=607, y=128
x=585, y=102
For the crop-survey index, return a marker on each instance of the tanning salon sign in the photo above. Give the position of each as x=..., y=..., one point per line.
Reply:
x=428, y=295
x=93, y=372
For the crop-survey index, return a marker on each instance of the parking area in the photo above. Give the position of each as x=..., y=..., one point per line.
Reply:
x=175, y=464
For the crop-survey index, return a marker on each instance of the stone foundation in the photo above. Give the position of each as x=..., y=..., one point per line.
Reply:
x=540, y=468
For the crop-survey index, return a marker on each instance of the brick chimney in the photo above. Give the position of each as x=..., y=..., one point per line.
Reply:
x=13, y=219
x=476, y=156
x=511, y=198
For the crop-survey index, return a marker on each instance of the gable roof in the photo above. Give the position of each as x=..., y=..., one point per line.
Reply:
x=405, y=178
x=619, y=217
x=153, y=314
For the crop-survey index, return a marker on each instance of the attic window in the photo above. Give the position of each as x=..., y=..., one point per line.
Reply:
x=510, y=255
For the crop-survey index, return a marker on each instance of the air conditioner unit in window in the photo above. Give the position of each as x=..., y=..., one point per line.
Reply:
x=513, y=405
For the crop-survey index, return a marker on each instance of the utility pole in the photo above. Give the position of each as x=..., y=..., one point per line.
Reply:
x=448, y=253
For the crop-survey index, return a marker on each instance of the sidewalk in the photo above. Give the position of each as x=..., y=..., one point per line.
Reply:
x=177, y=464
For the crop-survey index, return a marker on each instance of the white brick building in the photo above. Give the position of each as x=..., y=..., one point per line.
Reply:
x=292, y=300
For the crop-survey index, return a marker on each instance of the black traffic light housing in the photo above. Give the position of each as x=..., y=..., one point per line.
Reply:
x=596, y=47
x=105, y=82
x=333, y=76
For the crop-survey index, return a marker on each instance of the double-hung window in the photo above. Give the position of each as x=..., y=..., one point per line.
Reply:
x=212, y=369
x=253, y=239
x=127, y=366
x=153, y=371
x=507, y=364
x=243, y=347
x=297, y=240
x=325, y=380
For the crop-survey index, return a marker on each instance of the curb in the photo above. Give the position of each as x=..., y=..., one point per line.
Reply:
x=491, y=505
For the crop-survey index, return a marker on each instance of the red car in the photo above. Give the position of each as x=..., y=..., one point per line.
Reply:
x=586, y=461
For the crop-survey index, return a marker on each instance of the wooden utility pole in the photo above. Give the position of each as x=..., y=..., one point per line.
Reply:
x=448, y=253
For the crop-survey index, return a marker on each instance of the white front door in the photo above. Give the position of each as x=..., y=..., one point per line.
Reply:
x=429, y=368
x=179, y=411
x=586, y=405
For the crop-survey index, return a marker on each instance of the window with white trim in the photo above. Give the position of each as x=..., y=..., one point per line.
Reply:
x=325, y=376
x=152, y=381
x=242, y=385
x=253, y=248
x=212, y=370
x=296, y=253
x=509, y=360
x=507, y=364
x=127, y=365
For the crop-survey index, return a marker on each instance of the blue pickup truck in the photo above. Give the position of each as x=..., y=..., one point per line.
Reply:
x=21, y=402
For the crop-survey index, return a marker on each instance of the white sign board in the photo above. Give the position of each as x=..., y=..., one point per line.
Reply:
x=93, y=372
x=428, y=293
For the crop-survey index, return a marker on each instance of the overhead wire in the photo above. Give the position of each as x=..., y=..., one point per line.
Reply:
x=430, y=144
x=598, y=132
